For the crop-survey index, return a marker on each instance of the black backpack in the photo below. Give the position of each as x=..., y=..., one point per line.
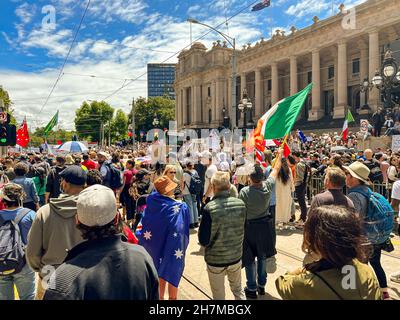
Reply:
x=196, y=185
x=116, y=176
x=12, y=249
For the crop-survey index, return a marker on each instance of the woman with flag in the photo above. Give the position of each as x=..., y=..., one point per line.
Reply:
x=165, y=234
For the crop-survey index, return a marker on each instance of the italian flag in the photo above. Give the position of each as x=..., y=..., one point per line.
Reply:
x=280, y=119
x=345, y=132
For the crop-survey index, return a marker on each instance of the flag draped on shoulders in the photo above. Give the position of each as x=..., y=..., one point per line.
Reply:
x=165, y=235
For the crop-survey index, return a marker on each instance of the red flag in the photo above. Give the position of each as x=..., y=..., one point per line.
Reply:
x=286, y=149
x=59, y=142
x=23, y=135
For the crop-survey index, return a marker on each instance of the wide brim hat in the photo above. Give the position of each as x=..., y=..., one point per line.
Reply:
x=359, y=171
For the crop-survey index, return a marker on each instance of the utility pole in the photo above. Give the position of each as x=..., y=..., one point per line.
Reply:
x=133, y=123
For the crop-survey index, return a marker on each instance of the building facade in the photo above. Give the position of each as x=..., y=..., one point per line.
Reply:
x=160, y=80
x=336, y=54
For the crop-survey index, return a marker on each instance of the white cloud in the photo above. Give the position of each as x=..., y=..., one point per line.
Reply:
x=6, y=37
x=308, y=7
x=132, y=11
x=25, y=12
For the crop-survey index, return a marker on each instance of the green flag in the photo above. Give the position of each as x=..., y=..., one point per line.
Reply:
x=279, y=120
x=349, y=117
x=53, y=122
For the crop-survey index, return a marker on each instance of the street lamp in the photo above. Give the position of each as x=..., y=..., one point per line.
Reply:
x=244, y=106
x=232, y=42
x=385, y=80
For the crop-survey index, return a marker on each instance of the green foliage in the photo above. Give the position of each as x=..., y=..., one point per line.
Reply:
x=7, y=104
x=89, y=118
x=162, y=108
x=38, y=137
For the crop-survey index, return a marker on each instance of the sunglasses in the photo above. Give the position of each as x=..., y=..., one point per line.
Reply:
x=173, y=172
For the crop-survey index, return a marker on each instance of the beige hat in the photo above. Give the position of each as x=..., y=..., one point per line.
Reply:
x=359, y=171
x=69, y=160
x=104, y=154
x=96, y=206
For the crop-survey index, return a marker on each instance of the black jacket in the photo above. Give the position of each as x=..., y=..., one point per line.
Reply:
x=105, y=269
x=54, y=181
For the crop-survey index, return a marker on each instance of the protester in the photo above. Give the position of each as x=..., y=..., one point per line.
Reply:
x=300, y=183
x=335, y=234
x=53, y=189
x=211, y=170
x=22, y=278
x=53, y=231
x=259, y=237
x=357, y=182
x=40, y=180
x=31, y=199
x=192, y=187
x=88, y=163
x=221, y=232
x=88, y=272
x=166, y=221
x=284, y=187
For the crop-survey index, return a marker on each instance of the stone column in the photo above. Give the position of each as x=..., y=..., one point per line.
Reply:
x=341, y=107
x=316, y=111
x=178, y=107
x=363, y=70
x=258, y=93
x=197, y=104
x=219, y=98
x=374, y=65
x=184, y=106
x=293, y=75
x=229, y=99
x=243, y=84
x=275, y=83
x=214, y=102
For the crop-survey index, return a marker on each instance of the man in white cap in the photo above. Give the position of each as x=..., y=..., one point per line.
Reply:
x=89, y=271
x=102, y=158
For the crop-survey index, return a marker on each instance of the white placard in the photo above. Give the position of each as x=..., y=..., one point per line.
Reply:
x=395, y=143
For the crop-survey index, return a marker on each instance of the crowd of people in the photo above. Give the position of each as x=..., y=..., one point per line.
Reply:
x=74, y=221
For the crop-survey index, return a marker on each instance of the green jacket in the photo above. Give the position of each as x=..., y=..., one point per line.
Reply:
x=308, y=286
x=222, y=230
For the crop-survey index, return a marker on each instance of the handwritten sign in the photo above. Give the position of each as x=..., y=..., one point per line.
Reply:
x=395, y=143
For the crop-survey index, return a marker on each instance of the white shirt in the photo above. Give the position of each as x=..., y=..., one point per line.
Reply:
x=209, y=173
x=396, y=190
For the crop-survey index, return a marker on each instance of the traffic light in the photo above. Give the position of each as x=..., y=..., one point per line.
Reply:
x=8, y=135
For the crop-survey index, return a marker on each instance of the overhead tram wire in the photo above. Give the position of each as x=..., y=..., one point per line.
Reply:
x=170, y=57
x=66, y=58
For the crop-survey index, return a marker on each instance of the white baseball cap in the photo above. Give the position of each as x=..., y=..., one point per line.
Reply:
x=96, y=206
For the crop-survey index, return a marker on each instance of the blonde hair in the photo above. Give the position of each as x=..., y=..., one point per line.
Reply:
x=221, y=181
x=169, y=167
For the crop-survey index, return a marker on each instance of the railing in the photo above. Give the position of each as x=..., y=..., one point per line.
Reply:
x=316, y=185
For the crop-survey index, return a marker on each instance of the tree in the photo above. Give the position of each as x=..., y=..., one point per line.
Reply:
x=161, y=108
x=119, y=126
x=90, y=117
x=7, y=104
x=38, y=137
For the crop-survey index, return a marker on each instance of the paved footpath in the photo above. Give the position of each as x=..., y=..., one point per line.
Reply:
x=195, y=284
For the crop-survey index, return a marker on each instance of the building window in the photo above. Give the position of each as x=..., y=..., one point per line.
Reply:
x=269, y=85
x=331, y=72
x=309, y=77
x=209, y=115
x=356, y=66
x=209, y=91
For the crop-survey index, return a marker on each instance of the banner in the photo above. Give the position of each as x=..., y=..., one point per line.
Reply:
x=364, y=125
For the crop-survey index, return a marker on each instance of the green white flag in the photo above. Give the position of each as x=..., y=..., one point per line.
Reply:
x=53, y=122
x=280, y=119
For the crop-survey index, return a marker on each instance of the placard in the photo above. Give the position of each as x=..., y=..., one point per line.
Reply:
x=364, y=124
x=395, y=143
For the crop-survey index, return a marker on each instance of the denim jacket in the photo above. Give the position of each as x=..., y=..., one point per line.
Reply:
x=29, y=188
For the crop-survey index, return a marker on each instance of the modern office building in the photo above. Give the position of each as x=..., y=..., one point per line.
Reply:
x=160, y=79
x=335, y=56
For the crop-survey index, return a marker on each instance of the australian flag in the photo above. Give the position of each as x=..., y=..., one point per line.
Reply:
x=165, y=235
x=302, y=137
x=263, y=4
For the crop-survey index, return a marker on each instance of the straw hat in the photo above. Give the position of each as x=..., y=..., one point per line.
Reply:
x=164, y=185
x=359, y=171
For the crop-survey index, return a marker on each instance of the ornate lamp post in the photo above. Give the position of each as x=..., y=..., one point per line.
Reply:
x=386, y=80
x=244, y=106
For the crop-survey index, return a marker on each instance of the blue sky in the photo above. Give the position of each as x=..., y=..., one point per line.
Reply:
x=117, y=40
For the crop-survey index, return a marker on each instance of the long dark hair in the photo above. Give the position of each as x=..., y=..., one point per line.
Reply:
x=336, y=234
x=284, y=172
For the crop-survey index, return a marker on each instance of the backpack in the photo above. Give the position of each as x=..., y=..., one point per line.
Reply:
x=375, y=174
x=12, y=249
x=196, y=185
x=116, y=176
x=379, y=222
